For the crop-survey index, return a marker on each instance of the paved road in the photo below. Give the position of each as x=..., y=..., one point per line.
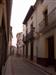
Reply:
x=21, y=67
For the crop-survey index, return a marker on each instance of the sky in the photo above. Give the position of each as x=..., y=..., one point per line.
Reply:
x=19, y=11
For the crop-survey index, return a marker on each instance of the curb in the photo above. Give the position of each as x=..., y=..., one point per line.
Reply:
x=42, y=69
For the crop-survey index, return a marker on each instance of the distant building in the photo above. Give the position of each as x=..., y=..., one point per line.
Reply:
x=19, y=37
x=10, y=40
x=13, y=50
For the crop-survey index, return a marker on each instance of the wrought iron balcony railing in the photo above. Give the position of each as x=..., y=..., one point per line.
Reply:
x=51, y=22
x=30, y=36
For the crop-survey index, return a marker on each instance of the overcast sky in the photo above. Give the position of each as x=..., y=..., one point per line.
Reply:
x=19, y=11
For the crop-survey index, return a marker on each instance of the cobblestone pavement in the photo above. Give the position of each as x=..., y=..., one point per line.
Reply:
x=20, y=67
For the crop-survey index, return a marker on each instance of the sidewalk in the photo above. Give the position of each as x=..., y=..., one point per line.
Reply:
x=14, y=65
x=18, y=66
x=49, y=70
x=7, y=69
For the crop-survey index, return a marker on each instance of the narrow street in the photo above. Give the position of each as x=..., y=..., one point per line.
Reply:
x=18, y=66
x=27, y=37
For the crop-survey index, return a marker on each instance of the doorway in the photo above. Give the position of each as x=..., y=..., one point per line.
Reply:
x=31, y=57
x=51, y=50
x=27, y=50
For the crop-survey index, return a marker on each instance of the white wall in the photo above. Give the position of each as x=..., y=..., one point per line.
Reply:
x=30, y=21
x=37, y=18
x=41, y=47
x=47, y=4
x=35, y=48
x=51, y=4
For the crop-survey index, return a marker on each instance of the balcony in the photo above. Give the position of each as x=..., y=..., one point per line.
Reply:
x=51, y=22
x=30, y=36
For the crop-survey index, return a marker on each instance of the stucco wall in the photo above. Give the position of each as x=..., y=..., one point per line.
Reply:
x=30, y=21
x=37, y=17
x=35, y=48
x=47, y=4
x=42, y=48
x=51, y=4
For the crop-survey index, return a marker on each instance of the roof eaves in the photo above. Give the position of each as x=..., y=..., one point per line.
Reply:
x=30, y=12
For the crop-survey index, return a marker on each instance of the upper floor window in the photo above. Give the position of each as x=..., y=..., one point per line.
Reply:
x=42, y=1
x=46, y=16
x=32, y=28
x=31, y=25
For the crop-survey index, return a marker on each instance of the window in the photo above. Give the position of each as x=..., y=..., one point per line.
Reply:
x=31, y=25
x=32, y=28
x=42, y=1
x=46, y=16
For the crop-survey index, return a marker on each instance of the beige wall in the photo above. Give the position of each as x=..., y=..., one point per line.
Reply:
x=47, y=4
x=30, y=21
x=51, y=4
x=42, y=46
x=35, y=48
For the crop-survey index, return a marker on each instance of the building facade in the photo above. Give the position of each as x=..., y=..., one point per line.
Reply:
x=13, y=50
x=5, y=12
x=30, y=34
x=40, y=21
x=19, y=43
x=10, y=41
